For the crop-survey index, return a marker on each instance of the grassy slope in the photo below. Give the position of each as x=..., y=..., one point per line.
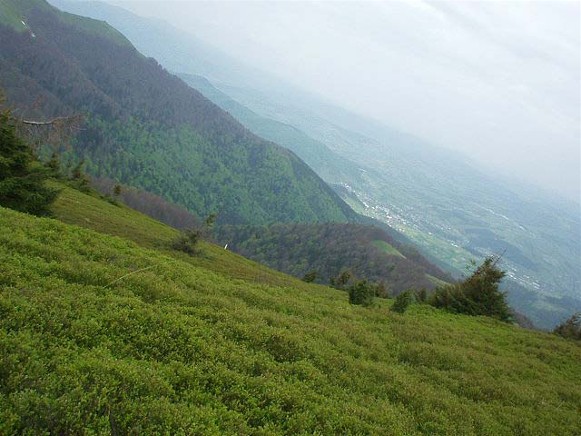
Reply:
x=186, y=346
x=74, y=207
x=387, y=248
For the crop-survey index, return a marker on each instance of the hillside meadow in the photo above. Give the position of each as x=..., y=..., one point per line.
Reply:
x=119, y=334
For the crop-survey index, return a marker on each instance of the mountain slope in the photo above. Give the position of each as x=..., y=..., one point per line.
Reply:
x=452, y=210
x=148, y=129
x=330, y=166
x=329, y=249
x=100, y=334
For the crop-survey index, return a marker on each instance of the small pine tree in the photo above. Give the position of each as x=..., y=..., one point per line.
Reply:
x=421, y=295
x=381, y=290
x=479, y=294
x=187, y=241
x=54, y=165
x=341, y=280
x=22, y=177
x=210, y=221
x=79, y=178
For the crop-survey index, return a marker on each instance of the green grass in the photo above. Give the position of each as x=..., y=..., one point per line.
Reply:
x=92, y=342
x=89, y=211
x=387, y=248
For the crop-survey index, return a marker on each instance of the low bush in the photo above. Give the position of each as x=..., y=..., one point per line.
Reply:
x=187, y=241
x=361, y=293
x=403, y=301
x=571, y=328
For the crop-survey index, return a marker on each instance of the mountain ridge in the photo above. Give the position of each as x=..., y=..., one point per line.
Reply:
x=69, y=70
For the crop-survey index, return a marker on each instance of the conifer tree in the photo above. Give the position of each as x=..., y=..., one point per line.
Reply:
x=478, y=294
x=22, y=176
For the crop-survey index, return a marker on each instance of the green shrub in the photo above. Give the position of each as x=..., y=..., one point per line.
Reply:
x=361, y=293
x=187, y=241
x=403, y=301
x=477, y=295
x=310, y=276
x=571, y=328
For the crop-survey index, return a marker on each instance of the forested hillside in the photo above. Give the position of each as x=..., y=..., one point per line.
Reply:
x=146, y=128
x=327, y=250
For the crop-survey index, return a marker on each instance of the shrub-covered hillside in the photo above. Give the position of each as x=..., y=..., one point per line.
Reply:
x=118, y=334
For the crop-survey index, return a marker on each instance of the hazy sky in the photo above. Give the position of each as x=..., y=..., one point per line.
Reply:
x=499, y=81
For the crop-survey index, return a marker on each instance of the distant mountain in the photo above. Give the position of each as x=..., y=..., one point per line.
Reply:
x=330, y=166
x=451, y=209
x=146, y=128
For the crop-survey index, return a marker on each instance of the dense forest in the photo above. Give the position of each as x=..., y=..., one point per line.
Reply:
x=328, y=249
x=148, y=129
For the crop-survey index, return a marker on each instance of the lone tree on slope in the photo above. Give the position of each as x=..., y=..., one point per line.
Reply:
x=22, y=176
x=478, y=294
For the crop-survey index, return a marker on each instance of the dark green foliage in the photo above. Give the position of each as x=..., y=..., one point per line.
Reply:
x=342, y=279
x=402, y=301
x=187, y=241
x=310, y=276
x=478, y=294
x=361, y=293
x=79, y=178
x=421, y=296
x=368, y=252
x=22, y=177
x=571, y=328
